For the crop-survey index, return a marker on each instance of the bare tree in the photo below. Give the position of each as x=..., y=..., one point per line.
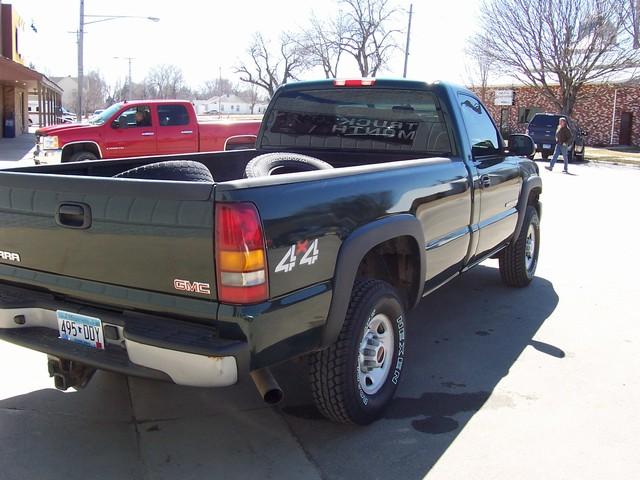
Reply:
x=367, y=36
x=479, y=68
x=251, y=96
x=165, y=81
x=269, y=68
x=95, y=91
x=632, y=23
x=216, y=88
x=557, y=45
x=322, y=43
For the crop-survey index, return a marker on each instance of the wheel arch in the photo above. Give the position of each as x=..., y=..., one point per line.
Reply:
x=531, y=190
x=72, y=147
x=355, y=249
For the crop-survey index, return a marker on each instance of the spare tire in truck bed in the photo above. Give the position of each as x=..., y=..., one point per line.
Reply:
x=282, y=162
x=181, y=170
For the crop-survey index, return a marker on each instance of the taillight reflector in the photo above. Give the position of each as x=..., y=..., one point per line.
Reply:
x=356, y=82
x=241, y=265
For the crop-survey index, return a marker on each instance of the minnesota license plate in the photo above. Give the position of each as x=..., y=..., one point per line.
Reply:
x=80, y=329
x=546, y=145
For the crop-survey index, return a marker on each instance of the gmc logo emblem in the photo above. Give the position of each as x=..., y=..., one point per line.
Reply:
x=187, y=286
x=13, y=257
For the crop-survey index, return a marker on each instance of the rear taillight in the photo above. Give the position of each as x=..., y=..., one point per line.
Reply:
x=356, y=82
x=241, y=260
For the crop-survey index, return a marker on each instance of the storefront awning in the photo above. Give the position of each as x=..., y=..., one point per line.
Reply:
x=12, y=73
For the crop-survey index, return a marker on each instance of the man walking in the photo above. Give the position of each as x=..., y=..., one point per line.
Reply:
x=563, y=138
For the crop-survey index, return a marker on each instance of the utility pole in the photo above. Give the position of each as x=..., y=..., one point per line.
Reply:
x=406, y=50
x=98, y=19
x=129, y=80
x=80, y=59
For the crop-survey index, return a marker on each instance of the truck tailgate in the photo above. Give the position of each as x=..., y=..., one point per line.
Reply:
x=144, y=234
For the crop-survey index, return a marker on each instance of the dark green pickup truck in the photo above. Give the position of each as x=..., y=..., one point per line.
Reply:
x=361, y=197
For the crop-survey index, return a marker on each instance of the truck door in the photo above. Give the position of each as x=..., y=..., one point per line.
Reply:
x=131, y=134
x=497, y=179
x=177, y=133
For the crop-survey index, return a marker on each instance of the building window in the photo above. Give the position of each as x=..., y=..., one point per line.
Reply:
x=525, y=114
x=222, y=108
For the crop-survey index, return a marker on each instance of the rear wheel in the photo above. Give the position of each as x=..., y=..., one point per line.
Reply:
x=354, y=380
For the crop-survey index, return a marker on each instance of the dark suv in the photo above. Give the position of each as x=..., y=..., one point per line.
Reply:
x=542, y=129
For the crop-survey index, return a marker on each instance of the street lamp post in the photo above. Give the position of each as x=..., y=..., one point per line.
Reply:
x=98, y=19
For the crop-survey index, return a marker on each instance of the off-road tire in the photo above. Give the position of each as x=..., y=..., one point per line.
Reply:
x=334, y=372
x=82, y=156
x=282, y=162
x=181, y=170
x=512, y=260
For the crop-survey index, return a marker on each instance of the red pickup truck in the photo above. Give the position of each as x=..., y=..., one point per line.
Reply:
x=142, y=128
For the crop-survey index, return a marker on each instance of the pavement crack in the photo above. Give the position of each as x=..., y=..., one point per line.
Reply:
x=306, y=452
x=137, y=432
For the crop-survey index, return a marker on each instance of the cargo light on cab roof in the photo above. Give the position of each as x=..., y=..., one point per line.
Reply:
x=356, y=82
x=241, y=258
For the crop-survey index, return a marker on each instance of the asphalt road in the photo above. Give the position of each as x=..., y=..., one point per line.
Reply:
x=501, y=383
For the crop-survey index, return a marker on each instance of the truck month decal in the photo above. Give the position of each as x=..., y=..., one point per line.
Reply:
x=396, y=131
x=309, y=252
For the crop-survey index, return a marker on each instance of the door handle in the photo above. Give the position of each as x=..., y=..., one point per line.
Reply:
x=74, y=215
x=485, y=180
x=186, y=132
x=148, y=134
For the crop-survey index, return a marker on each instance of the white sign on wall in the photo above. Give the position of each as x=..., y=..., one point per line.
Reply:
x=503, y=97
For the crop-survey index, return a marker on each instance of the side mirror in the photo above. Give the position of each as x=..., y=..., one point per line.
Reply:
x=521, y=145
x=115, y=123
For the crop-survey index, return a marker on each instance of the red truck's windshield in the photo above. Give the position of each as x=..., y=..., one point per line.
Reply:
x=101, y=118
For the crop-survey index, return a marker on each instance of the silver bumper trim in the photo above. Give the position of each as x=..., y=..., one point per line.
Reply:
x=182, y=367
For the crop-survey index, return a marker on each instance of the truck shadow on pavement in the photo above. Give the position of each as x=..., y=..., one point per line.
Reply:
x=463, y=340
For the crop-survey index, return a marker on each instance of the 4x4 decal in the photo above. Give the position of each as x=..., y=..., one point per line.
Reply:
x=309, y=252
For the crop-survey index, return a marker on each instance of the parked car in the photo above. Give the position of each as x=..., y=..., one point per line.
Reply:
x=362, y=197
x=542, y=129
x=163, y=127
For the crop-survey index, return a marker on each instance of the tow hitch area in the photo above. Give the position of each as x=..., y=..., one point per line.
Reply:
x=67, y=373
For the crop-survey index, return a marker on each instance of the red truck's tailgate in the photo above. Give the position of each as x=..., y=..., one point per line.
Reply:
x=148, y=235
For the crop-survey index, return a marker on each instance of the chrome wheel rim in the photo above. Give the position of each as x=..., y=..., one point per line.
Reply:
x=375, y=353
x=530, y=248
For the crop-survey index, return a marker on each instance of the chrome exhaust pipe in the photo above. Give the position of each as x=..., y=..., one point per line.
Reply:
x=267, y=386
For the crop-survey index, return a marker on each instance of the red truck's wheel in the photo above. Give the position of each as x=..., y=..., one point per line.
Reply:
x=82, y=156
x=354, y=379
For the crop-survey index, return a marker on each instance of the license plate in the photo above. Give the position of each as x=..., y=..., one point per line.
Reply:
x=546, y=145
x=80, y=329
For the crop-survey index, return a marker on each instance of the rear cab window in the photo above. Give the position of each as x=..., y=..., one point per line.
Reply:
x=544, y=121
x=172, y=115
x=358, y=119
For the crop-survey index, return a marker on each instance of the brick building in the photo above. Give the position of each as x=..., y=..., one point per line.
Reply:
x=609, y=113
x=18, y=82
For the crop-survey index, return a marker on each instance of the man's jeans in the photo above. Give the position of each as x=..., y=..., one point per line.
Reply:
x=565, y=155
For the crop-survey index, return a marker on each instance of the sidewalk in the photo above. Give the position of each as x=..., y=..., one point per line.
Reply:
x=17, y=151
x=615, y=155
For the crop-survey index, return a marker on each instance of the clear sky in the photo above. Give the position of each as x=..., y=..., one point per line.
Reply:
x=202, y=37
